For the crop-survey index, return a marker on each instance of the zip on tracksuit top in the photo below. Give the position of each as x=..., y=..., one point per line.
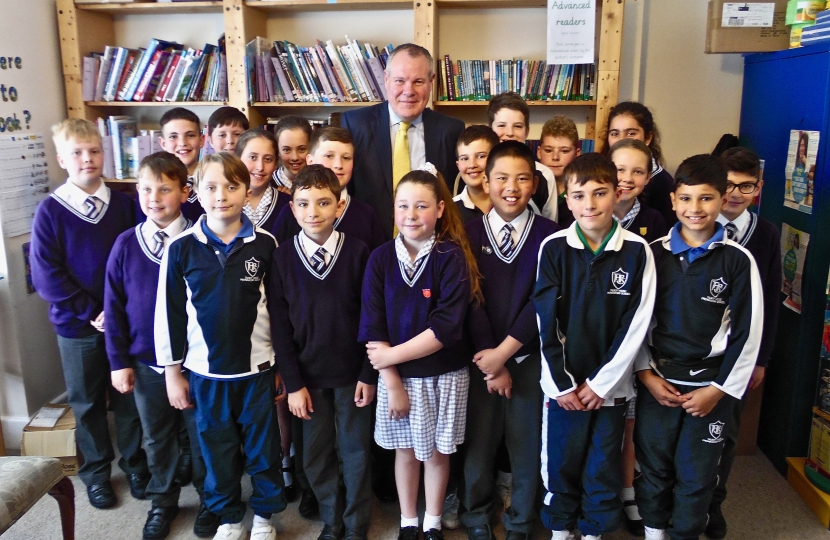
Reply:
x=593, y=312
x=212, y=306
x=708, y=316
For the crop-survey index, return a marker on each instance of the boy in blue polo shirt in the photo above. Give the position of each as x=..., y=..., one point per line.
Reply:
x=701, y=353
x=72, y=235
x=594, y=297
x=212, y=315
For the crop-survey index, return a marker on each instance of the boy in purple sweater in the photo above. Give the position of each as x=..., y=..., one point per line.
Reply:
x=315, y=294
x=72, y=235
x=132, y=276
x=505, y=397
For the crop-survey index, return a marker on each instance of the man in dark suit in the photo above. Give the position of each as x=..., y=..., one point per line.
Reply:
x=432, y=136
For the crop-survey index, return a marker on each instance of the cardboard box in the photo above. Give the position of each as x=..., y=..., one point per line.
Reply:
x=57, y=441
x=736, y=39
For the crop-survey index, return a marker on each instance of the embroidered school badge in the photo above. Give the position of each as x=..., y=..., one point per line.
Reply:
x=252, y=267
x=427, y=293
x=618, y=279
x=643, y=231
x=715, y=432
x=716, y=286
x=487, y=250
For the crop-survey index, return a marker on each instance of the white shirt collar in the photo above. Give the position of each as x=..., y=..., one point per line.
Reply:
x=344, y=194
x=741, y=222
x=403, y=254
x=76, y=197
x=465, y=199
x=149, y=228
x=394, y=119
x=519, y=224
x=310, y=247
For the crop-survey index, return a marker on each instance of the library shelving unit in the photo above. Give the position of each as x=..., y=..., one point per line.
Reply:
x=86, y=28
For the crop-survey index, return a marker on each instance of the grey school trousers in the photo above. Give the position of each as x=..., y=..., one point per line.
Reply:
x=336, y=417
x=491, y=417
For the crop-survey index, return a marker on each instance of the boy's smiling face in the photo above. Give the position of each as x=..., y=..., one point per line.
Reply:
x=183, y=139
x=336, y=156
x=697, y=208
x=510, y=125
x=222, y=199
x=735, y=201
x=83, y=161
x=315, y=210
x=160, y=198
x=592, y=205
x=556, y=152
x=510, y=185
x=223, y=138
x=472, y=160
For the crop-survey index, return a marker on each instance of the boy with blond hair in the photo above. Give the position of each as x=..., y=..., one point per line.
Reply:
x=72, y=234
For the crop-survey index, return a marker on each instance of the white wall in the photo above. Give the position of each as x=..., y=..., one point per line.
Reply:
x=30, y=371
x=695, y=97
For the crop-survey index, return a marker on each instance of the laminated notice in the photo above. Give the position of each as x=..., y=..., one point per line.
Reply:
x=747, y=14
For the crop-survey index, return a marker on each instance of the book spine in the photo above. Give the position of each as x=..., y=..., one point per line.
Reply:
x=329, y=68
x=187, y=77
x=261, y=87
x=305, y=92
x=198, y=76
x=103, y=72
x=311, y=69
x=365, y=72
x=115, y=73
x=287, y=92
x=172, y=66
x=354, y=73
x=128, y=81
x=140, y=90
x=149, y=54
x=90, y=70
x=109, y=163
x=330, y=95
x=268, y=75
x=448, y=78
x=164, y=61
x=343, y=71
x=302, y=65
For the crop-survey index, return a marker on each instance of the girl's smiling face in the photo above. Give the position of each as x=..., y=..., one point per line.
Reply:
x=417, y=210
x=258, y=156
x=293, y=149
x=632, y=172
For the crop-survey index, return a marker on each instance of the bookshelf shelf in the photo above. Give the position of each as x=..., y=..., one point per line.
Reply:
x=87, y=28
x=156, y=103
x=327, y=5
x=530, y=103
x=489, y=3
x=291, y=104
x=123, y=181
x=141, y=8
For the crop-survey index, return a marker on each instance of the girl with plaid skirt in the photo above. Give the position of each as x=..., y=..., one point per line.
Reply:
x=416, y=293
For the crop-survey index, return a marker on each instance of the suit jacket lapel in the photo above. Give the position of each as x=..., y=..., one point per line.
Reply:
x=384, y=144
x=432, y=142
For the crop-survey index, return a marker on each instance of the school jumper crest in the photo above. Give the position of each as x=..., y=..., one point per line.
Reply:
x=715, y=432
x=716, y=286
x=619, y=278
x=251, y=266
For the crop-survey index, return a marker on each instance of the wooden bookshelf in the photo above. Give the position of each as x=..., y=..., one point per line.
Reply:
x=86, y=28
x=333, y=105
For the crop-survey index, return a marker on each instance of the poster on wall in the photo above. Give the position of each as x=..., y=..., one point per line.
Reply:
x=793, y=252
x=824, y=377
x=571, y=26
x=24, y=181
x=801, y=170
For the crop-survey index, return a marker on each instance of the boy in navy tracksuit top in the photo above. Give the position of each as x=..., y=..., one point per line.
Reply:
x=505, y=396
x=72, y=235
x=333, y=147
x=594, y=297
x=762, y=239
x=708, y=317
x=212, y=315
x=132, y=277
x=315, y=285
x=473, y=147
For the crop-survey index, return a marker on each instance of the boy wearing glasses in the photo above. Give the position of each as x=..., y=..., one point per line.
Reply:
x=762, y=239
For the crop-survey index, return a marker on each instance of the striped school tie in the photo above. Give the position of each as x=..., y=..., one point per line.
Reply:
x=731, y=231
x=318, y=261
x=158, y=247
x=506, y=243
x=94, y=205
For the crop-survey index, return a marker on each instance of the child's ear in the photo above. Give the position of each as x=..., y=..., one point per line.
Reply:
x=535, y=183
x=60, y=161
x=309, y=159
x=578, y=151
x=440, y=209
x=673, y=205
x=340, y=206
x=539, y=152
x=485, y=184
x=185, y=194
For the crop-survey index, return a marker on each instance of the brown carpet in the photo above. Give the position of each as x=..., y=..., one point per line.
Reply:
x=760, y=505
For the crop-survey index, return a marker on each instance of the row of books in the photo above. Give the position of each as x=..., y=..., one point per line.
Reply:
x=479, y=80
x=125, y=146
x=280, y=71
x=162, y=71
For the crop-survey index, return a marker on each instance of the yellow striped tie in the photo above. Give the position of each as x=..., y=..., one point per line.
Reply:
x=400, y=159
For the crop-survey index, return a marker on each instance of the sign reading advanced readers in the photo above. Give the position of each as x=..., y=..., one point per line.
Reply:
x=571, y=27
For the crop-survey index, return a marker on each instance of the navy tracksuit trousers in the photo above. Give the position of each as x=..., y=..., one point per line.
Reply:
x=230, y=413
x=678, y=455
x=581, y=468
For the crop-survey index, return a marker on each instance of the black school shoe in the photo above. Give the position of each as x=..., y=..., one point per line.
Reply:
x=101, y=495
x=361, y=532
x=434, y=534
x=158, y=522
x=516, y=535
x=480, y=532
x=138, y=484
x=184, y=469
x=409, y=533
x=308, y=507
x=716, y=527
x=206, y=522
x=330, y=532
